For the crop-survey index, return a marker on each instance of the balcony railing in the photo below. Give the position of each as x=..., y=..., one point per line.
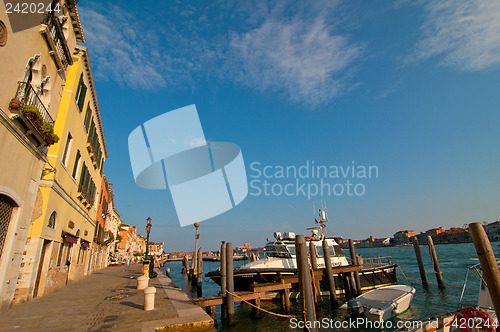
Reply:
x=52, y=30
x=28, y=96
x=86, y=195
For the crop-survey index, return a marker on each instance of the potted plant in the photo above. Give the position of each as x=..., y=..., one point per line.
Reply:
x=14, y=104
x=48, y=133
x=32, y=113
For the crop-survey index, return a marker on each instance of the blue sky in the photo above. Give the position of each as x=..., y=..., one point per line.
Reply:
x=409, y=87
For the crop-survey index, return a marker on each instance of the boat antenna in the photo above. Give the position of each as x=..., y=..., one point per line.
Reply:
x=326, y=211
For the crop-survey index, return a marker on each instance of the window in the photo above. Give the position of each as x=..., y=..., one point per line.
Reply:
x=67, y=147
x=87, y=187
x=52, y=220
x=75, y=167
x=319, y=251
x=59, y=257
x=80, y=93
x=88, y=117
x=68, y=252
x=6, y=209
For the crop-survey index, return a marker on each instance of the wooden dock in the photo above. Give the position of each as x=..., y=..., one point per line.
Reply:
x=258, y=292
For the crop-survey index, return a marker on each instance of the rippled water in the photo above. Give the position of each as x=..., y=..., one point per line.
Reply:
x=454, y=260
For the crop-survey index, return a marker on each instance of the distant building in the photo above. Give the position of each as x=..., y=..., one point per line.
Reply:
x=100, y=247
x=112, y=227
x=433, y=232
x=454, y=235
x=155, y=249
x=493, y=231
x=372, y=242
x=403, y=237
x=129, y=247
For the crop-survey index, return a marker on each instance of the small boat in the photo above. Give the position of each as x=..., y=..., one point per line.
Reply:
x=380, y=304
x=467, y=318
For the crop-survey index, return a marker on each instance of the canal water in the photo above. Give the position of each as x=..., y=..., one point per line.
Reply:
x=454, y=260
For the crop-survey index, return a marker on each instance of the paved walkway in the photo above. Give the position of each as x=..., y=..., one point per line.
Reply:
x=108, y=300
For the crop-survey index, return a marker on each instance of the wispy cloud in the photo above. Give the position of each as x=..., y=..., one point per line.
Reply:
x=295, y=52
x=393, y=88
x=466, y=34
x=118, y=49
x=303, y=59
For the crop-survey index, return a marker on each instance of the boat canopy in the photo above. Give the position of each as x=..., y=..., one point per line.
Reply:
x=282, y=249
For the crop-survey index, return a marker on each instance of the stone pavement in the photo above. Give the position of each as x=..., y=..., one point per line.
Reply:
x=108, y=300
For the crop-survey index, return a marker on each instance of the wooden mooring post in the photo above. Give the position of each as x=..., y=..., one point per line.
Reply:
x=305, y=285
x=329, y=273
x=346, y=280
x=420, y=262
x=199, y=286
x=314, y=267
x=229, y=284
x=488, y=263
x=185, y=264
x=435, y=263
x=256, y=311
x=285, y=299
x=223, y=281
x=354, y=261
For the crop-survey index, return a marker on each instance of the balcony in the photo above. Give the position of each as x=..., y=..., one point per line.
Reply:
x=85, y=196
x=51, y=29
x=32, y=126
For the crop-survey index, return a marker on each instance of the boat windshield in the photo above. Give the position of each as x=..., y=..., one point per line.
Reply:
x=279, y=251
x=334, y=251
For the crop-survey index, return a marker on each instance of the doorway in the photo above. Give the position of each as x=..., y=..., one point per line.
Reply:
x=43, y=254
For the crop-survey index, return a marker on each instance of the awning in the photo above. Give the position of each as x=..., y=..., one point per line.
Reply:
x=84, y=243
x=69, y=238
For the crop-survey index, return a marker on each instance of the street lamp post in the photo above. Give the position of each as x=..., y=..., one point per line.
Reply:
x=148, y=229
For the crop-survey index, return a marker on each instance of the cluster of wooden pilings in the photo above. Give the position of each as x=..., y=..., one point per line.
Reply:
x=308, y=278
x=195, y=272
x=435, y=263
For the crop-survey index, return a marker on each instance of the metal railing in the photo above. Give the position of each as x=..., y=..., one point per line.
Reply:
x=368, y=262
x=58, y=42
x=27, y=95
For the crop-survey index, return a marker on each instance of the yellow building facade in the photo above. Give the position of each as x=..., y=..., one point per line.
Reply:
x=34, y=64
x=59, y=244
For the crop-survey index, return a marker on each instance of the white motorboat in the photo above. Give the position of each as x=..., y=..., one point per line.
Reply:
x=280, y=261
x=280, y=258
x=380, y=304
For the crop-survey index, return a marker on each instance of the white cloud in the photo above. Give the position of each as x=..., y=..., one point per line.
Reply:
x=116, y=49
x=466, y=34
x=302, y=59
x=293, y=52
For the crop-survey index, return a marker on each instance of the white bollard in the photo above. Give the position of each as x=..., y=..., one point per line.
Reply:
x=149, y=298
x=142, y=282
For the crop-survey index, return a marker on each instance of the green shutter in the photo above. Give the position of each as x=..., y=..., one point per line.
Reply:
x=81, y=97
x=77, y=159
